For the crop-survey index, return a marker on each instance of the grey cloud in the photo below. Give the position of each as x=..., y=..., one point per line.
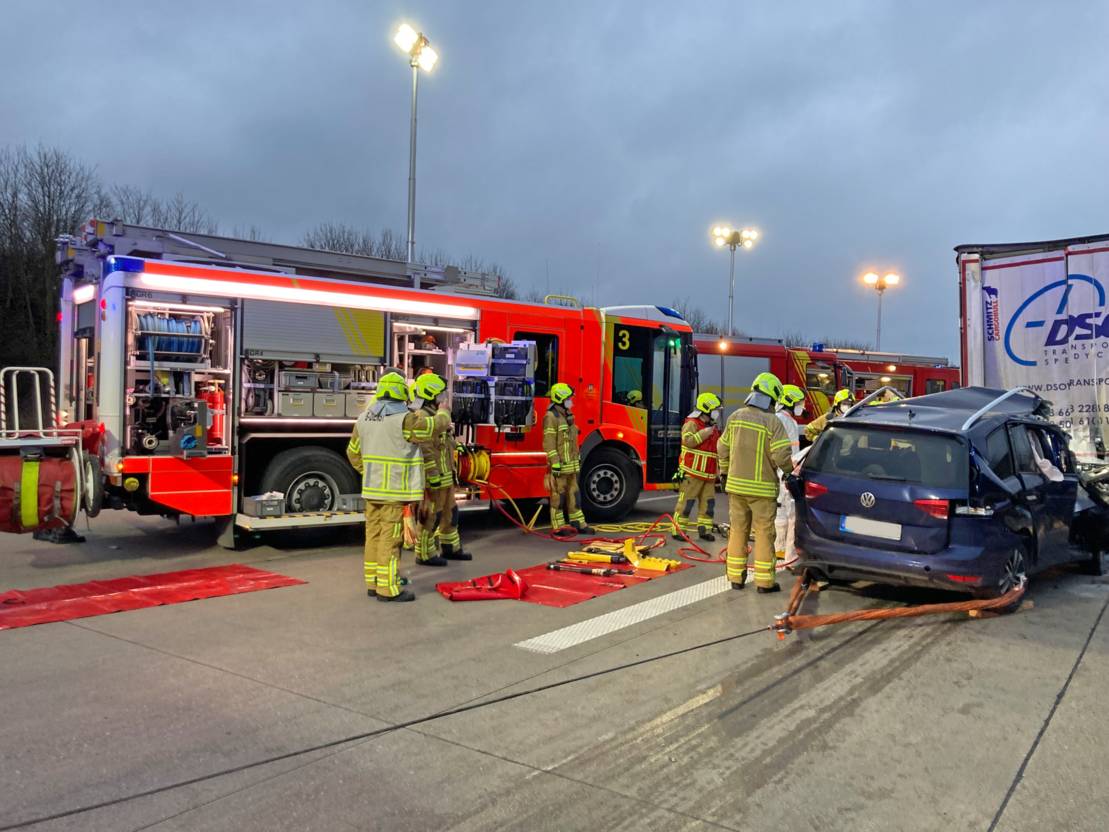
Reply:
x=605, y=139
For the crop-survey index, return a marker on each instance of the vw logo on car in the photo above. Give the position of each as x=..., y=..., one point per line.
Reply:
x=867, y=499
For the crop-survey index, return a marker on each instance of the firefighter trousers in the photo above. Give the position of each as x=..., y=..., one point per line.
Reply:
x=565, y=505
x=384, y=533
x=695, y=494
x=784, y=525
x=747, y=515
x=437, y=514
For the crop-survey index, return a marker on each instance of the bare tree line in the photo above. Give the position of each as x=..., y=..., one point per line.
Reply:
x=388, y=245
x=46, y=193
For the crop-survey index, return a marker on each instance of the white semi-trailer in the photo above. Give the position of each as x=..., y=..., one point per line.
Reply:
x=1034, y=315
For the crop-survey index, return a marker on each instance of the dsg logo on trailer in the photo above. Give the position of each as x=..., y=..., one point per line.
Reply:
x=1068, y=325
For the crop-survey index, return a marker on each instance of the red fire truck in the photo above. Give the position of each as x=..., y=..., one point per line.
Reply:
x=208, y=378
x=728, y=365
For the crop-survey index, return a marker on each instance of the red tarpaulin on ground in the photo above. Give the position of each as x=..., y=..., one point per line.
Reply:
x=553, y=589
x=24, y=607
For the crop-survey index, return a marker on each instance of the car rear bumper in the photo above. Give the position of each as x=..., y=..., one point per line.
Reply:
x=958, y=568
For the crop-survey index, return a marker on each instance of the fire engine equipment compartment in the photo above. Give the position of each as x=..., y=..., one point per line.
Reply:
x=178, y=359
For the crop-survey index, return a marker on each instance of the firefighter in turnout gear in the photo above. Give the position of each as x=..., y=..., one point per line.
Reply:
x=437, y=509
x=560, y=442
x=791, y=405
x=841, y=403
x=698, y=467
x=384, y=448
x=753, y=449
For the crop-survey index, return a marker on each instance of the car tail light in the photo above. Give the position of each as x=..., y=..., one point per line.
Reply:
x=937, y=508
x=964, y=579
x=814, y=490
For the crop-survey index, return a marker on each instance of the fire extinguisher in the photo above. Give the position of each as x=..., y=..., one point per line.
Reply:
x=213, y=395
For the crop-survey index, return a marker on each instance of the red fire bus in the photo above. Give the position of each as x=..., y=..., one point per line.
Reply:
x=728, y=365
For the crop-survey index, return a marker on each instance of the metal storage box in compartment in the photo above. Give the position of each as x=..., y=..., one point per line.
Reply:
x=299, y=381
x=296, y=404
x=357, y=402
x=350, y=502
x=263, y=506
x=330, y=405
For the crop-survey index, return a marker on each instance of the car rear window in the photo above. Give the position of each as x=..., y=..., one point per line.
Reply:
x=901, y=456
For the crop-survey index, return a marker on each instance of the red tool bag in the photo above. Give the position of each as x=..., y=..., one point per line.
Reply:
x=488, y=588
x=37, y=492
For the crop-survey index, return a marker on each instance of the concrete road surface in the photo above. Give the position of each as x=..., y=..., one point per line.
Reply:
x=928, y=724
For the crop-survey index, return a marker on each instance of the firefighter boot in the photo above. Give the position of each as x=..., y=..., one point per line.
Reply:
x=450, y=553
x=405, y=595
x=432, y=561
x=763, y=590
x=705, y=534
x=742, y=580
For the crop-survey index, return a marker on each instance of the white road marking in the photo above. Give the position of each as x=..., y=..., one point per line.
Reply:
x=602, y=625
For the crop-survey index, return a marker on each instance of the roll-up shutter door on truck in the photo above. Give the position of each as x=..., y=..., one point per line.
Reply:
x=294, y=331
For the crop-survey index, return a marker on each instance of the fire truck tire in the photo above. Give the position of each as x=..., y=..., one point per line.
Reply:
x=311, y=478
x=610, y=484
x=93, y=498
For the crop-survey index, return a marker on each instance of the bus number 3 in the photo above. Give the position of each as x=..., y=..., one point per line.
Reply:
x=623, y=340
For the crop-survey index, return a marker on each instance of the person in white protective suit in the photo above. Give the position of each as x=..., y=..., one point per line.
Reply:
x=791, y=405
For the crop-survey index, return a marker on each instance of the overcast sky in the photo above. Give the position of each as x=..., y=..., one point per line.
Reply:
x=597, y=143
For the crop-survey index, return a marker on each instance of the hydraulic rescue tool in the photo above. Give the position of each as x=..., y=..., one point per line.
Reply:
x=635, y=555
x=595, y=557
x=582, y=570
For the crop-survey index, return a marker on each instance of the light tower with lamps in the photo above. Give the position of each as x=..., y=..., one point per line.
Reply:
x=880, y=283
x=420, y=56
x=724, y=235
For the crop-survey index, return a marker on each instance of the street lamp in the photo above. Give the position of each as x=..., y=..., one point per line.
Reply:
x=420, y=56
x=724, y=235
x=880, y=283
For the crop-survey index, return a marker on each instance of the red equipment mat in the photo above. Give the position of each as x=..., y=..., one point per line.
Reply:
x=25, y=607
x=563, y=589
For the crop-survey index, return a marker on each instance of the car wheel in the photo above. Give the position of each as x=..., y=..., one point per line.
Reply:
x=609, y=484
x=1013, y=573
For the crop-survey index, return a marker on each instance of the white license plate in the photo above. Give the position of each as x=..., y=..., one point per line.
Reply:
x=870, y=528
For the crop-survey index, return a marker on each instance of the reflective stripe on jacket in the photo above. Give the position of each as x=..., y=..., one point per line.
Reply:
x=699, y=443
x=560, y=440
x=438, y=451
x=752, y=450
x=383, y=446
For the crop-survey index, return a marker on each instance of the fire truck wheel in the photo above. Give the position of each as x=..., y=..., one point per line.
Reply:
x=93, y=498
x=311, y=478
x=609, y=484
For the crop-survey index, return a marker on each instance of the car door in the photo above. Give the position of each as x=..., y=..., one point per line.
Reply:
x=1051, y=503
x=1060, y=488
